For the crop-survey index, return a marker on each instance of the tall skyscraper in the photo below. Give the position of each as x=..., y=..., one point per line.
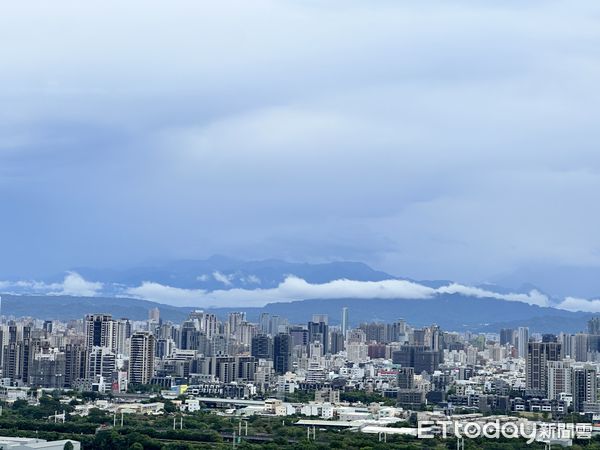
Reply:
x=336, y=342
x=507, y=336
x=419, y=357
x=559, y=378
x=75, y=363
x=100, y=331
x=344, y=320
x=123, y=330
x=299, y=335
x=319, y=331
x=522, y=341
x=581, y=347
x=567, y=341
x=101, y=361
x=594, y=325
x=583, y=386
x=262, y=347
x=141, y=360
x=264, y=323
x=374, y=331
x=154, y=315
x=209, y=325
x=538, y=355
x=234, y=320
x=282, y=353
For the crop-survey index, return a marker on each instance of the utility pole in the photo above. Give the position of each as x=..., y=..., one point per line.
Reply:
x=121, y=419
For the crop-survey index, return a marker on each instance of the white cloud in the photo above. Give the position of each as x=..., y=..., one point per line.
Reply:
x=294, y=288
x=250, y=279
x=149, y=290
x=222, y=278
x=73, y=284
x=534, y=297
x=29, y=286
x=203, y=277
x=579, y=304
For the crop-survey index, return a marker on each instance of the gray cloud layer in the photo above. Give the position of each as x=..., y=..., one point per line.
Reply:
x=430, y=139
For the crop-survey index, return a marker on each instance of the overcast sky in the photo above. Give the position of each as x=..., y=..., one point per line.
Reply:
x=430, y=139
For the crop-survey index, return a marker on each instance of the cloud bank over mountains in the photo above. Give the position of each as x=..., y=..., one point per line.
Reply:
x=292, y=288
x=73, y=284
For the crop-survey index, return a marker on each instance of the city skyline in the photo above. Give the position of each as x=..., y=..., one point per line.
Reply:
x=291, y=224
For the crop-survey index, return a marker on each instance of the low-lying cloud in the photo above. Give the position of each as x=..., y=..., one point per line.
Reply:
x=579, y=304
x=73, y=284
x=291, y=289
x=295, y=288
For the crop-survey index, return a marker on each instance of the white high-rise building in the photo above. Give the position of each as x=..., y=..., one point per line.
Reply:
x=357, y=352
x=522, y=340
x=559, y=378
x=123, y=330
x=344, y=321
x=209, y=325
x=141, y=361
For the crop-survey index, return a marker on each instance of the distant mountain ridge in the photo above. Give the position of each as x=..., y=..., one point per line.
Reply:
x=452, y=312
x=220, y=272
x=487, y=309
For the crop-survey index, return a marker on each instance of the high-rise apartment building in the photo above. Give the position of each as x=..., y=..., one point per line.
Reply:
x=319, y=331
x=262, y=347
x=282, y=353
x=594, y=325
x=522, y=341
x=141, y=360
x=559, y=378
x=580, y=347
x=123, y=330
x=419, y=357
x=507, y=336
x=100, y=331
x=583, y=387
x=344, y=320
x=538, y=355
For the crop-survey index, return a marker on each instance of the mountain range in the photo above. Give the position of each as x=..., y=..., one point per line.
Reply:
x=370, y=295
